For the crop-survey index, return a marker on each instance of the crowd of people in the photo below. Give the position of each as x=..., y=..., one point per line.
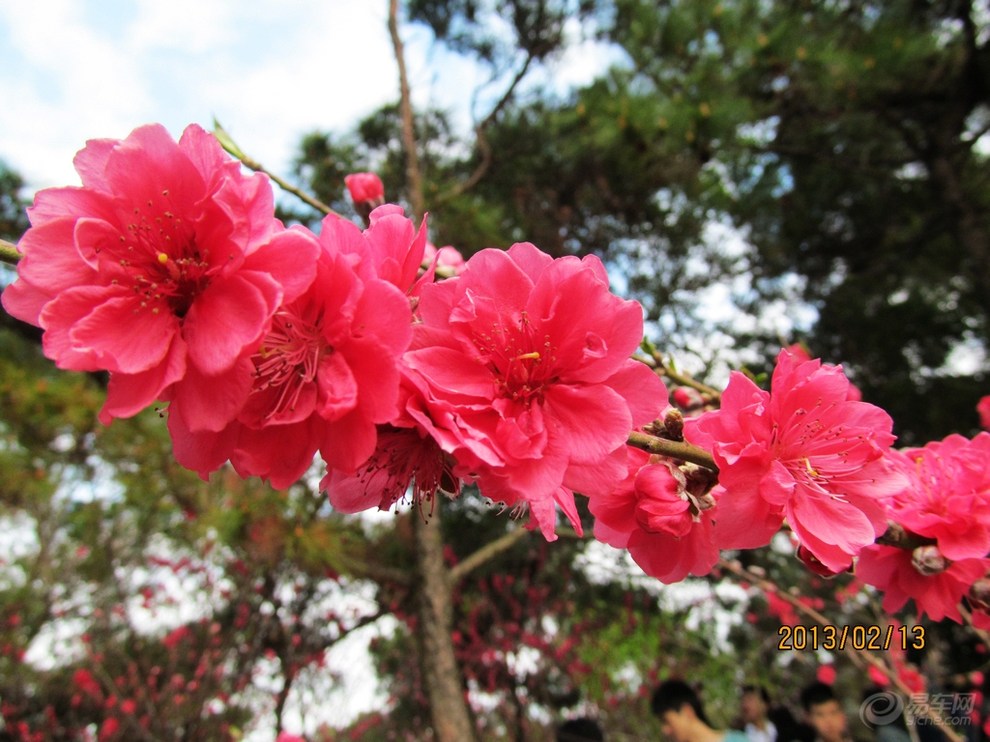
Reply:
x=680, y=711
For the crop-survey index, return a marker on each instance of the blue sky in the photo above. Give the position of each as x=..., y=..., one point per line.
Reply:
x=268, y=70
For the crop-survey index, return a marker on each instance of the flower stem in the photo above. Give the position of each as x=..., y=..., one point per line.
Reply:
x=674, y=449
x=228, y=143
x=9, y=253
x=654, y=359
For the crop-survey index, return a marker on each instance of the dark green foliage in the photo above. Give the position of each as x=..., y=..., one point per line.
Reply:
x=842, y=141
x=13, y=200
x=492, y=30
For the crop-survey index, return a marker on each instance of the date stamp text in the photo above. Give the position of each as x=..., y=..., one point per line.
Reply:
x=872, y=637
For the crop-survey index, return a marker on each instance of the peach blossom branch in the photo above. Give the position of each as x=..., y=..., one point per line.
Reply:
x=228, y=143
x=674, y=449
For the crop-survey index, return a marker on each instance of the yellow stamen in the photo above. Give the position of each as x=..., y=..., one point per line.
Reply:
x=534, y=356
x=162, y=258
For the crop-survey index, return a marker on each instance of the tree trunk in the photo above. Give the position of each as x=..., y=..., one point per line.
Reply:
x=444, y=685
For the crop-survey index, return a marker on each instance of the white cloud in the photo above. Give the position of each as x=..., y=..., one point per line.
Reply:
x=64, y=85
x=73, y=70
x=183, y=26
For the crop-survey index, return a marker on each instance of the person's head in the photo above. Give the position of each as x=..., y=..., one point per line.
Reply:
x=580, y=730
x=679, y=709
x=753, y=704
x=824, y=712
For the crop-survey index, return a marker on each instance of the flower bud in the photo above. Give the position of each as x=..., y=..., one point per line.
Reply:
x=983, y=408
x=673, y=423
x=928, y=560
x=687, y=398
x=979, y=594
x=365, y=187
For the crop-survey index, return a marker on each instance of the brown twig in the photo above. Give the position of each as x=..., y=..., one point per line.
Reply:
x=674, y=449
x=413, y=175
x=485, y=553
x=677, y=377
x=481, y=140
x=228, y=143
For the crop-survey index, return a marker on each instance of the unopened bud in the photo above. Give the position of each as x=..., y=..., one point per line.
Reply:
x=673, y=422
x=928, y=560
x=365, y=187
x=367, y=192
x=979, y=594
x=687, y=398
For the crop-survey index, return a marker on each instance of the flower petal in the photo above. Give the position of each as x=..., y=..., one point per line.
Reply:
x=593, y=421
x=228, y=319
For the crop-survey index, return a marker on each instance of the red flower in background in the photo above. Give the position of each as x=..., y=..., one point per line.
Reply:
x=86, y=684
x=826, y=674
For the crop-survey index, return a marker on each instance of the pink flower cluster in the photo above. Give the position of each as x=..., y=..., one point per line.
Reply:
x=948, y=504
x=519, y=378
x=807, y=452
x=168, y=269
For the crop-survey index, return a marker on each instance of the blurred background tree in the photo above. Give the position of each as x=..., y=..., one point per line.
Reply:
x=755, y=172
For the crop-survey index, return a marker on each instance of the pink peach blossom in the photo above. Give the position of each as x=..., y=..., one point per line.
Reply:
x=446, y=257
x=687, y=399
x=403, y=457
x=365, y=187
x=165, y=269
x=323, y=378
x=522, y=365
x=800, y=352
x=395, y=248
x=651, y=515
x=894, y=571
x=805, y=452
x=948, y=497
